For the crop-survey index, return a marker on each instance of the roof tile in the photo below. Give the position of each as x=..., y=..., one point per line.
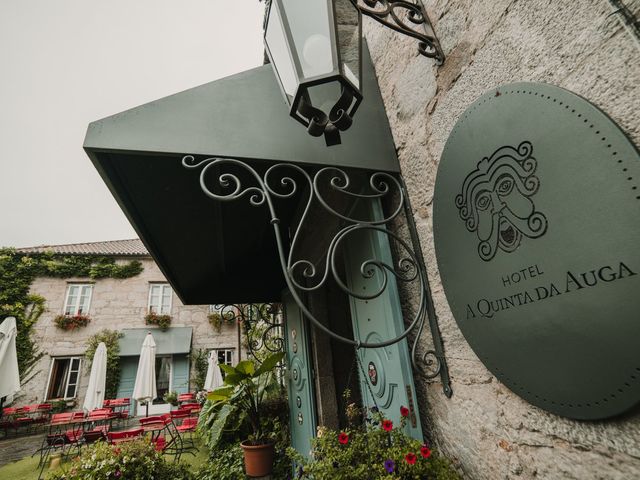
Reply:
x=133, y=247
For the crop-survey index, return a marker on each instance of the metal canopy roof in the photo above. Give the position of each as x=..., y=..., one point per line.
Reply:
x=213, y=252
x=173, y=340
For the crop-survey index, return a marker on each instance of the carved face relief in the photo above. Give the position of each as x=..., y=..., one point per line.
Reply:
x=496, y=204
x=373, y=373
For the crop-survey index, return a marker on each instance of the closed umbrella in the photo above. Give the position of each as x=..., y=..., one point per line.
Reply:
x=97, y=379
x=214, y=376
x=9, y=377
x=144, y=389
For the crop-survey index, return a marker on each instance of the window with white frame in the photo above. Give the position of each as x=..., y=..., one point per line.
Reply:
x=78, y=299
x=160, y=298
x=64, y=378
x=225, y=356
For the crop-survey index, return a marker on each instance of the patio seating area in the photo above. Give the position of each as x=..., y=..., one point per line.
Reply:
x=66, y=434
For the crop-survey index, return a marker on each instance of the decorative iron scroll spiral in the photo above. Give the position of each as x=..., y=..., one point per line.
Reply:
x=275, y=183
x=261, y=322
x=392, y=14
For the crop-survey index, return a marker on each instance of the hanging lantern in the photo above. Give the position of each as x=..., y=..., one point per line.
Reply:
x=315, y=49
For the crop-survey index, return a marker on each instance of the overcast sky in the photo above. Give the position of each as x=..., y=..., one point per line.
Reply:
x=66, y=63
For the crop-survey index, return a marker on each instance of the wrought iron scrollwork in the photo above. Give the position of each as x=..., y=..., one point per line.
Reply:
x=406, y=17
x=261, y=323
x=281, y=182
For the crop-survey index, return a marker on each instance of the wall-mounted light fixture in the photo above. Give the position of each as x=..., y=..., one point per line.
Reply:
x=315, y=48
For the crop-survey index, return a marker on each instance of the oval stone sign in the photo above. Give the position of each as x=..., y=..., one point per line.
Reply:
x=537, y=235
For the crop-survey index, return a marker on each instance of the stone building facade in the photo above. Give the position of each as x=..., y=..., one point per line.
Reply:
x=115, y=304
x=580, y=46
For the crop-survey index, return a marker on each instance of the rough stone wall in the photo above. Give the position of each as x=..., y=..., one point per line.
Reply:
x=491, y=432
x=116, y=304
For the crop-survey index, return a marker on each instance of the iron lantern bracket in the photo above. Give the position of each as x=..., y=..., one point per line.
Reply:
x=406, y=17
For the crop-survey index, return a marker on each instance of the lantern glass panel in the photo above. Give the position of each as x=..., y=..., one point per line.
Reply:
x=324, y=95
x=311, y=28
x=275, y=39
x=348, y=34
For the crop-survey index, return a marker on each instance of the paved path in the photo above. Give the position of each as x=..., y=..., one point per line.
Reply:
x=16, y=448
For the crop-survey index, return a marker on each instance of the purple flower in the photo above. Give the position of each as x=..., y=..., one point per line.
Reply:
x=118, y=473
x=389, y=465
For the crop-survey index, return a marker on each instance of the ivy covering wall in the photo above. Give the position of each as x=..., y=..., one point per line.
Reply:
x=111, y=339
x=17, y=273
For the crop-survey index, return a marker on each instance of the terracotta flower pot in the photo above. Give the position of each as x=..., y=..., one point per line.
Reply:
x=258, y=459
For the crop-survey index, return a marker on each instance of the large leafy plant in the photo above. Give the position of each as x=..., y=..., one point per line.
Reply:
x=243, y=398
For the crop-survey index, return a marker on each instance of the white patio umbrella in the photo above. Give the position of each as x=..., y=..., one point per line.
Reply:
x=214, y=376
x=97, y=379
x=145, y=389
x=9, y=377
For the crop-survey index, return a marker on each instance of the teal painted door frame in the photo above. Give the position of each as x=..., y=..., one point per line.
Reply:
x=300, y=378
x=386, y=376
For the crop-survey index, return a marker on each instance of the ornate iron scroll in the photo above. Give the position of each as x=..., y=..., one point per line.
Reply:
x=408, y=18
x=261, y=323
x=302, y=275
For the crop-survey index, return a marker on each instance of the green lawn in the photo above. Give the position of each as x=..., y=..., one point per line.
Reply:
x=27, y=468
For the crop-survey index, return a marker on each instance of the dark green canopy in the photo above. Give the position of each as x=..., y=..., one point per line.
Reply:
x=213, y=252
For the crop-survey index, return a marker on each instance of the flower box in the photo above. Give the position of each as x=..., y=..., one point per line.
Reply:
x=162, y=321
x=71, y=322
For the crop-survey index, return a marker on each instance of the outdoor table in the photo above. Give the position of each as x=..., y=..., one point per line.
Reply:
x=156, y=426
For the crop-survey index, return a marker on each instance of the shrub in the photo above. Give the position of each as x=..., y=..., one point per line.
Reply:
x=171, y=398
x=226, y=464
x=374, y=449
x=60, y=406
x=71, y=322
x=162, y=321
x=199, y=360
x=132, y=460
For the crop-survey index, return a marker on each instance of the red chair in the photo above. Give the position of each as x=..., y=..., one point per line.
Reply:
x=124, y=436
x=189, y=424
x=44, y=412
x=160, y=444
x=153, y=420
x=77, y=415
x=23, y=417
x=119, y=406
x=194, y=408
x=97, y=434
x=186, y=397
x=8, y=420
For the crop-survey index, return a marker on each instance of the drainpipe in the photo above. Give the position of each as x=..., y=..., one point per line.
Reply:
x=239, y=342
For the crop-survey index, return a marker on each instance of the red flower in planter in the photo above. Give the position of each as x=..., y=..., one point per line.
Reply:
x=387, y=425
x=404, y=411
x=343, y=438
x=410, y=458
x=425, y=451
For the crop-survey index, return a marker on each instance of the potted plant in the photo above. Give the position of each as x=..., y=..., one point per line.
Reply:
x=171, y=398
x=244, y=393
